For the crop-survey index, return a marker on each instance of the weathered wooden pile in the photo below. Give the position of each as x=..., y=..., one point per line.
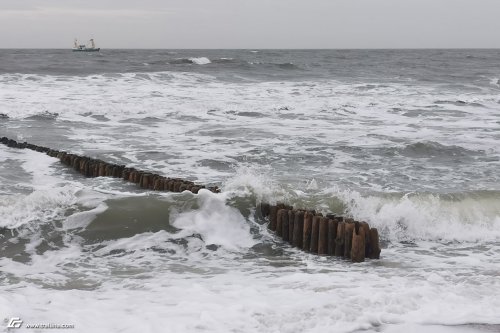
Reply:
x=91, y=167
x=329, y=235
x=312, y=232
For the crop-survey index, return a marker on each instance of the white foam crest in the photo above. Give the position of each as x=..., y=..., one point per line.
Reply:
x=216, y=222
x=47, y=199
x=428, y=216
x=50, y=268
x=164, y=109
x=39, y=166
x=70, y=97
x=312, y=185
x=137, y=242
x=47, y=196
x=251, y=179
x=200, y=60
x=40, y=206
x=82, y=219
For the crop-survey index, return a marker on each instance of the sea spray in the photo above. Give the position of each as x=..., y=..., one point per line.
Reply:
x=216, y=222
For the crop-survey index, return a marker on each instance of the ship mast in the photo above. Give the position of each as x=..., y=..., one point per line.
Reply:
x=92, y=43
x=76, y=43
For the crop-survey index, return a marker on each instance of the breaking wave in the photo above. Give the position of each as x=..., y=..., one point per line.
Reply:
x=468, y=216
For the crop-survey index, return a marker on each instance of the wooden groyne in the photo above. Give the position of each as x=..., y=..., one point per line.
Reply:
x=91, y=167
x=329, y=235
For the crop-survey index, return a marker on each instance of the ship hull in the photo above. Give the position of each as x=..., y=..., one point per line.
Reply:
x=87, y=50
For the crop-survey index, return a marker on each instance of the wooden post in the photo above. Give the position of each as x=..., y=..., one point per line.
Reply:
x=315, y=234
x=145, y=180
x=165, y=184
x=366, y=230
x=177, y=186
x=133, y=176
x=158, y=184
x=349, y=228
x=102, y=169
x=264, y=209
x=95, y=168
x=273, y=214
x=279, y=222
x=291, y=221
x=358, y=243
x=84, y=167
x=332, y=235
x=108, y=170
x=323, y=236
x=126, y=173
x=306, y=236
x=171, y=185
x=76, y=163
x=340, y=241
x=118, y=171
x=374, y=244
x=298, y=229
x=285, y=225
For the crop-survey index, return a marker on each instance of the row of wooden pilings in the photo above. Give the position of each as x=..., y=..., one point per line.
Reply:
x=330, y=235
x=305, y=229
x=90, y=167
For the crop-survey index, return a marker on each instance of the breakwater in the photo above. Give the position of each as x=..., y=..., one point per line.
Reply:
x=91, y=167
x=304, y=229
x=328, y=235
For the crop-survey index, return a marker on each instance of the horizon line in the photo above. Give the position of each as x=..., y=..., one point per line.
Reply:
x=263, y=48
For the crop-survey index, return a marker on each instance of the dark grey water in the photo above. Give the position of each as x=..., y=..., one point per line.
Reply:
x=464, y=68
x=404, y=139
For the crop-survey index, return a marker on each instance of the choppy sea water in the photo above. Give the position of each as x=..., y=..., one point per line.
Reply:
x=407, y=140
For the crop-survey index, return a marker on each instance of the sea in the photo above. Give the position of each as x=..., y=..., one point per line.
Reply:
x=406, y=140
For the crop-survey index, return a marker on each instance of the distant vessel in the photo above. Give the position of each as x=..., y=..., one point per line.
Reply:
x=85, y=48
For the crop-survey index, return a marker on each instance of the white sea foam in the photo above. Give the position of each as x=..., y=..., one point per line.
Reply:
x=219, y=295
x=216, y=223
x=35, y=208
x=251, y=180
x=82, y=219
x=200, y=60
x=43, y=197
x=495, y=81
x=470, y=218
x=105, y=284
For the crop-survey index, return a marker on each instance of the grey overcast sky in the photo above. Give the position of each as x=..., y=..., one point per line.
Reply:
x=251, y=24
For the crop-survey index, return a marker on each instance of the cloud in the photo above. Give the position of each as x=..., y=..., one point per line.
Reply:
x=253, y=24
x=41, y=13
